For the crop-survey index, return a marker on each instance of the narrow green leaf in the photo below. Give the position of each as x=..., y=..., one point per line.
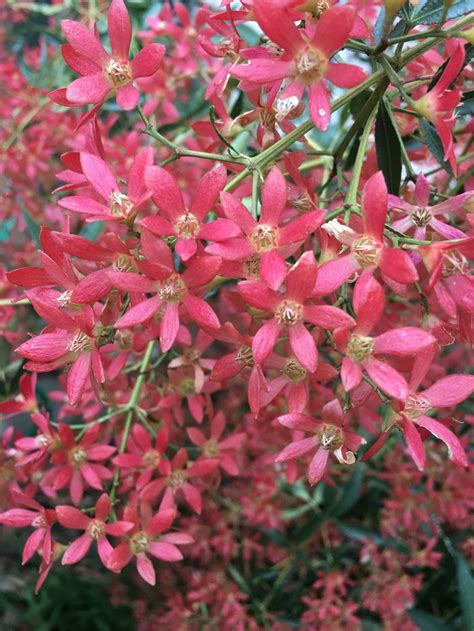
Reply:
x=33, y=227
x=387, y=146
x=465, y=581
x=425, y=621
x=432, y=10
x=350, y=492
x=433, y=141
x=92, y=230
x=467, y=104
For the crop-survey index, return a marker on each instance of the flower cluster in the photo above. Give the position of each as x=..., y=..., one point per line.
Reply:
x=215, y=305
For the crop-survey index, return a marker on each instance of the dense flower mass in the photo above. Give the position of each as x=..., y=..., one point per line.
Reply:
x=247, y=304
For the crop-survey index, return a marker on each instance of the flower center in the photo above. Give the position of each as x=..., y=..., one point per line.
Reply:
x=175, y=480
x=366, y=251
x=421, y=217
x=139, y=542
x=65, y=298
x=311, y=65
x=294, y=370
x=193, y=355
x=151, y=458
x=283, y=107
x=186, y=387
x=119, y=73
x=455, y=263
x=77, y=455
x=244, y=356
x=96, y=529
x=360, y=347
x=252, y=266
x=289, y=312
x=172, y=289
x=330, y=437
x=187, y=226
x=39, y=522
x=79, y=342
x=210, y=448
x=264, y=238
x=416, y=407
x=120, y=205
x=302, y=202
x=124, y=263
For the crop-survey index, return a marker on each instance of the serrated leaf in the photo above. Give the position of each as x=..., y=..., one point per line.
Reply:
x=434, y=144
x=387, y=146
x=465, y=581
x=425, y=621
x=432, y=10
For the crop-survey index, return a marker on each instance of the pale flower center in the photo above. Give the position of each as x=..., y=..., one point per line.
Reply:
x=79, y=342
x=139, y=542
x=294, y=370
x=176, y=480
x=187, y=226
x=120, y=205
x=264, y=238
x=244, y=356
x=96, y=529
x=39, y=522
x=421, y=217
x=311, y=65
x=283, y=107
x=455, y=263
x=172, y=289
x=187, y=387
x=65, y=298
x=360, y=347
x=77, y=455
x=151, y=458
x=124, y=263
x=330, y=436
x=366, y=251
x=416, y=407
x=119, y=73
x=289, y=312
x=211, y=448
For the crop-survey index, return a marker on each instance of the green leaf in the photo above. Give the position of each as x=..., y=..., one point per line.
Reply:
x=425, y=621
x=350, y=492
x=33, y=227
x=465, y=581
x=467, y=104
x=92, y=230
x=431, y=11
x=387, y=146
x=433, y=141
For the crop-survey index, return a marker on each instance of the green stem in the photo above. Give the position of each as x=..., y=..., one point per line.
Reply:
x=351, y=197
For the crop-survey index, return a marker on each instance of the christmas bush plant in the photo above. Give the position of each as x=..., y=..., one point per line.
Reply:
x=247, y=306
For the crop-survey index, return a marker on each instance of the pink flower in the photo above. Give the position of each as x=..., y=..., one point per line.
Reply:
x=170, y=288
x=303, y=57
x=187, y=225
x=421, y=215
x=78, y=464
x=361, y=349
x=104, y=75
x=212, y=447
x=25, y=401
x=439, y=103
x=328, y=436
x=291, y=309
x=114, y=205
x=35, y=515
x=95, y=529
x=266, y=243
x=367, y=249
x=148, y=538
x=412, y=418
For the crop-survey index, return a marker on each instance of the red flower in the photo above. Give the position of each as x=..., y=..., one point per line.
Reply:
x=304, y=57
x=187, y=224
x=361, y=350
x=77, y=464
x=171, y=289
x=104, y=75
x=328, y=436
x=116, y=206
x=148, y=538
x=439, y=103
x=42, y=519
x=25, y=401
x=368, y=250
x=290, y=310
x=266, y=242
x=95, y=529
